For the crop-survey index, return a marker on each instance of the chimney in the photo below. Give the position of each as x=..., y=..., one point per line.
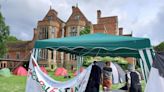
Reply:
x=73, y=8
x=50, y=7
x=98, y=14
x=120, y=31
x=35, y=34
x=52, y=10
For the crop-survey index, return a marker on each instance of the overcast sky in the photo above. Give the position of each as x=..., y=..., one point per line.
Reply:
x=145, y=18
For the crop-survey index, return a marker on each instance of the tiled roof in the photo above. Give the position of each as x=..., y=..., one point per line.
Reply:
x=18, y=44
x=76, y=11
x=52, y=15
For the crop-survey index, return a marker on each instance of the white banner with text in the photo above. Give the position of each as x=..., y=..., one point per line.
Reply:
x=37, y=81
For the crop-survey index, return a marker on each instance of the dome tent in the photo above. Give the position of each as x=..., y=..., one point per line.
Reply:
x=117, y=71
x=5, y=72
x=44, y=69
x=61, y=72
x=20, y=71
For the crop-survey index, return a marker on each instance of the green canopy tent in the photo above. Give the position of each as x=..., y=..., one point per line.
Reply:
x=100, y=44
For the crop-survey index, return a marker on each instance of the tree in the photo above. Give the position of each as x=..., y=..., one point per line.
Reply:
x=159, y=47
x=4, y=33
x=86, y=30
x=87, y=59
x=12, y=39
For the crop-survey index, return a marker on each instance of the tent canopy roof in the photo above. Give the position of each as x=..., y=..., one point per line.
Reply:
x=98, y=44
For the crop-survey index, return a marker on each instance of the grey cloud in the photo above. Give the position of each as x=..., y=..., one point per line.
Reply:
x=157, y=31
x=153, y=29
x=22, y=15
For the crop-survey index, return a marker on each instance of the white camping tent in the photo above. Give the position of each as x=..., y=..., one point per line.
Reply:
x=117, y=71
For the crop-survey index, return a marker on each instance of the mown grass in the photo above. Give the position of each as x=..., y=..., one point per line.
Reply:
x=18, y=83
x=60, y=78
x=12, y=84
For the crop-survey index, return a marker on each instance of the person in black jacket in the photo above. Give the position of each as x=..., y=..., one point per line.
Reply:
x=94, y=79
x=133, y=80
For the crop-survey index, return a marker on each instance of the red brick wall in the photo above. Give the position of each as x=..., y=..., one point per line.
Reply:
x=23, y=54
x=107, y=25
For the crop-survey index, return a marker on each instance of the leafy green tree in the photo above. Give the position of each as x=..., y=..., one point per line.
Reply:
x=4, y=33
x=12, y=39
x=86, y=30
x=159, y=47
x=87, y=59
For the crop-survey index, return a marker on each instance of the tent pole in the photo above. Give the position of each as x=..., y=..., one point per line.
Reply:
x=36, y=54
x=145, y=64
x=148, y=51
x=142, y=69
x=32, y=54
x=78, y=64
x=81, y=61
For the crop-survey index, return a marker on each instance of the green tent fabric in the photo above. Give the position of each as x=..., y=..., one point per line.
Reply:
x=5, y=72
x=98, y=44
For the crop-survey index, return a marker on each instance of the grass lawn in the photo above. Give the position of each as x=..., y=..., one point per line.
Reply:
x=12, y=84
x=18, y=83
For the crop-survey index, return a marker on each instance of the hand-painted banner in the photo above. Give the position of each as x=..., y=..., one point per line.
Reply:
x=38, y=81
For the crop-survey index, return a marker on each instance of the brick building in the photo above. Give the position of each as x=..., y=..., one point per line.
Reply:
x=51, y=26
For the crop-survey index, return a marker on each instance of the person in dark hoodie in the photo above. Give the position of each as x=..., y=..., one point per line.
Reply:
x=94, y=79
x=133, y=80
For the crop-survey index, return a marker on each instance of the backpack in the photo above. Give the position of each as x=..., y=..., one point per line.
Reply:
x=133, y=78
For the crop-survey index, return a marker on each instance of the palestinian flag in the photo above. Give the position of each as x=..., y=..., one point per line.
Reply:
x=156, y=78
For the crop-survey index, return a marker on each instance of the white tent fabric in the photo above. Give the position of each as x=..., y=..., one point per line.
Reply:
x=156, y=78
x=155, y=82
x=121, y=72
x=115, y=73
x=38, y=81
x=146, y=61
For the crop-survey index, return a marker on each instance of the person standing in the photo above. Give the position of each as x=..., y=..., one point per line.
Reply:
x=94, y=79
x=107, y=77
x=133, y=79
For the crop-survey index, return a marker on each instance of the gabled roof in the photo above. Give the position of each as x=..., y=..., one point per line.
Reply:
x=77, y=11
x=52, y=15
x=19, y=45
